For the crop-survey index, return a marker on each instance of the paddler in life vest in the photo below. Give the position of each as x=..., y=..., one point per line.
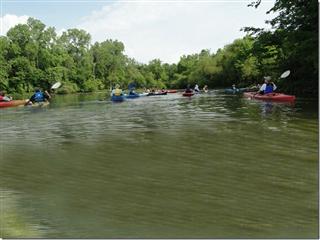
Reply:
x=39, y=96
x=268, y=86
x=4, y=98
x=116, y=91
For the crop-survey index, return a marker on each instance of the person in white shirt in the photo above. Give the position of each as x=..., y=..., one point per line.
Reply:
x=196, y=88
x=268, y=86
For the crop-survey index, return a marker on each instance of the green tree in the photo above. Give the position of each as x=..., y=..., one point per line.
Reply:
x=109, y=62
x=295, y=36
x=4, y=66
x=77, y=44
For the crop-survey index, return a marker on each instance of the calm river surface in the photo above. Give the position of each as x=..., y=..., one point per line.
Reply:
x=213, y=166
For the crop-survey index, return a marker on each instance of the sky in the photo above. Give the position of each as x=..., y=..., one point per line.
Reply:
x=149, y=29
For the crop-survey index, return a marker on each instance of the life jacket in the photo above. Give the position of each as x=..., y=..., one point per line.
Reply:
x=117, y=92
x=39, y=97
x=1, y=98
x=269, y=89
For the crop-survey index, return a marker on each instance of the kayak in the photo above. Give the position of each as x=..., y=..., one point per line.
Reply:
x=132, y=95
x=172, y=91
x=187, y=94
x=13, y=103
x=233, y=91
x=157, y=94
x=270, y=96
x=143, y=94
x=117, y=98
x=38, y=104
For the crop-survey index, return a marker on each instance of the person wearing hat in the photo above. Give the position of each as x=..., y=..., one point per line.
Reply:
x=268, y=86
x=116, y=91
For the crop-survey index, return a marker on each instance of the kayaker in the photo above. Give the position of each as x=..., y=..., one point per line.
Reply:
x=116, y=91
x=4, y=98
x=39, y=96
x=132, y=92
x=188, y=89
x=234, y=87
x=196, y=88
x=268, y=86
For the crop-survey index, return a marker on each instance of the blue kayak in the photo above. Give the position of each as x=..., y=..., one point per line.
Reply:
x=117, y=98
x=233, y=91
x=132, y=95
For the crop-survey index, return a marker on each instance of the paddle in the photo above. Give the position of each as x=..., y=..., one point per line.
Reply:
x=56, y=85
x=285, y=74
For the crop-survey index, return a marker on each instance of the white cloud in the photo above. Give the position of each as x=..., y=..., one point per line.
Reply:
x=61, y=31
x=9, y=20
x=168, y=30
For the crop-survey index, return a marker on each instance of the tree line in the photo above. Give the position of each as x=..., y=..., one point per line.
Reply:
x=33, y=55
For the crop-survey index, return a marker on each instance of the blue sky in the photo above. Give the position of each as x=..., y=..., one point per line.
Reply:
x=53, y=13
x=148, y=28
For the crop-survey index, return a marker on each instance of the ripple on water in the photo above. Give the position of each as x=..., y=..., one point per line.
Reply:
x=161, y=167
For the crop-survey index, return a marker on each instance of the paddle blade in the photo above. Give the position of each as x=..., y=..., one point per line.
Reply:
x=56, y=85
x=285, y=74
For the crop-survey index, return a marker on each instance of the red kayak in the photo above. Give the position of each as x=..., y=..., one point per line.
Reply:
x=13, y=103
x=187, y=94
x=171, y=91
x=280, y=97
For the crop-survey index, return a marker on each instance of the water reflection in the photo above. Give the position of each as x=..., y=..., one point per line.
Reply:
x=17, y=222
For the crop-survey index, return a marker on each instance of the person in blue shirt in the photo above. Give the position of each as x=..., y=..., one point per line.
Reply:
x=268, y=86
x=39, y=96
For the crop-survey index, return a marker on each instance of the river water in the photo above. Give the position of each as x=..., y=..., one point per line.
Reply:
x=210, y=166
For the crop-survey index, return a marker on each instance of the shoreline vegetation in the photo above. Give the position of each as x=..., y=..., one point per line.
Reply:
x=33, y=55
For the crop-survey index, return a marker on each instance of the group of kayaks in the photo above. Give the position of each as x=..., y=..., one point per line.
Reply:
x=121, y=98
x=251, y=95
x=132, y=95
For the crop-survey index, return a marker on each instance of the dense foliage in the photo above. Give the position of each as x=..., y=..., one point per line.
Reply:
x=33, y=55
